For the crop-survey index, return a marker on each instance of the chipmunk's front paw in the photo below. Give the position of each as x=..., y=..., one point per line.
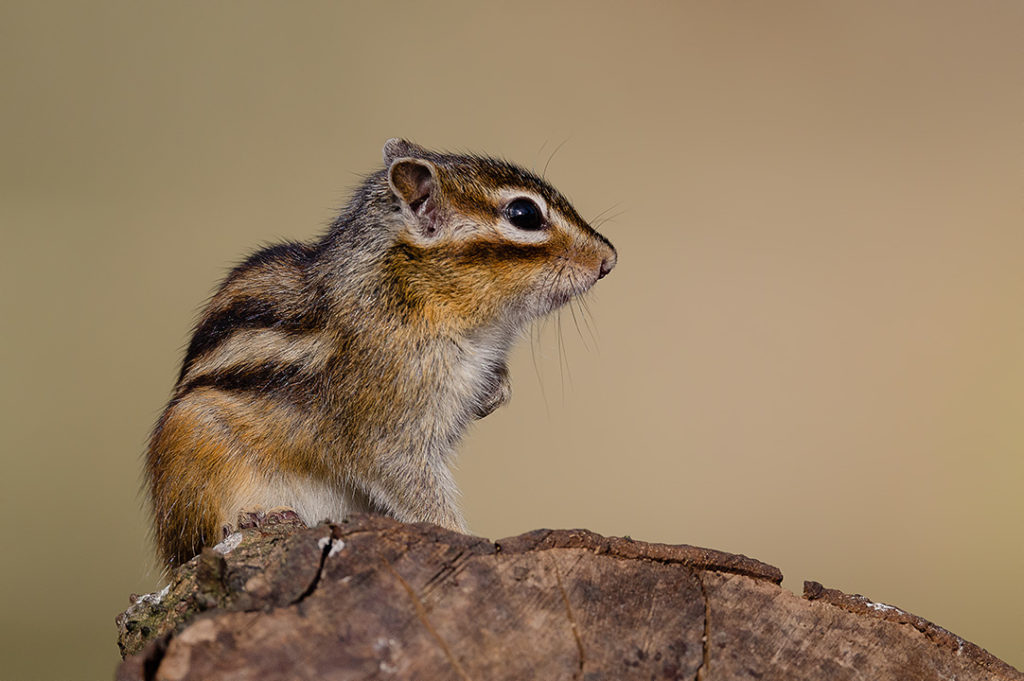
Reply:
x=283, y=515
x=501, y=393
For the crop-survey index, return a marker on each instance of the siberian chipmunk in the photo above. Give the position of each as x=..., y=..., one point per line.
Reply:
x=338, y=376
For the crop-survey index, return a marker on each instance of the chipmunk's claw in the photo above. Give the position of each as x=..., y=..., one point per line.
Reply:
x=283, y=515
x=249, y=518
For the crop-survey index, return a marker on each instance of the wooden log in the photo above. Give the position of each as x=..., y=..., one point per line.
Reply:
x=371, y=598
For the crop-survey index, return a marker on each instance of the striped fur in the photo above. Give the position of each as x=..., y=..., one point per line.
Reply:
x=339, y=376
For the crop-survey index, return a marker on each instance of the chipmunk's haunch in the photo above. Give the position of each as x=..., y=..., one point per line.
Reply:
x=338, y=376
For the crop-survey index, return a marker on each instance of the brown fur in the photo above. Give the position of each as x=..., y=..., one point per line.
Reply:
x=339, y=376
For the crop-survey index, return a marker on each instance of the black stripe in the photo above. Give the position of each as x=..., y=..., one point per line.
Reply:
x=266, y=377
x=251, y=313
x=255, y=313
x=246, y=313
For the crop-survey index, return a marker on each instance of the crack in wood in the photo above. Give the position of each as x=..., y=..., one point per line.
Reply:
x=572, y=622
x=705, y=663
x=421, y=613
x=448, y=569
x=155, y=655
x=324, y=552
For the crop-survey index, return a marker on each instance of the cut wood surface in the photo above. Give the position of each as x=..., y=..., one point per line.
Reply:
x=371, y=598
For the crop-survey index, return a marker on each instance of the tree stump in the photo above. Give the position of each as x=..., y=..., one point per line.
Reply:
x=372, y=598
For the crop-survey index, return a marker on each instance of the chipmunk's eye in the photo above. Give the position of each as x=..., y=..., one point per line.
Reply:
x=524, y=214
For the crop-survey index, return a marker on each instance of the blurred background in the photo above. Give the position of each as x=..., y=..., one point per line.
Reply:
x=811, y=352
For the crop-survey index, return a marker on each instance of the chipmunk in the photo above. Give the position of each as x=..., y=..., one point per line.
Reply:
x=338, y=376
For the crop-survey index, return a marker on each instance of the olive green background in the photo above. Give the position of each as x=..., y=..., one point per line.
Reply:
x=811, y=352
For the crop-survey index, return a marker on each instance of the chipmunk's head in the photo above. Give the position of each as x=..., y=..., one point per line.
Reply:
x=484, y=241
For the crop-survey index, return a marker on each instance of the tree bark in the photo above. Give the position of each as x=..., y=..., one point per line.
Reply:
x=371, y=598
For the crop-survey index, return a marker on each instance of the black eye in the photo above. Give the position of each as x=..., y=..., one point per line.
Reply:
x=524, y=214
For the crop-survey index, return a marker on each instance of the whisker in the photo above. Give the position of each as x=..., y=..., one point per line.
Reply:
x=562, y=362
x=589, y=321
x=539, y=152
x=602, y=213
x=575, y=320
x=601, y=222
x=535, y=340
x=544, y=172
x=576, y=323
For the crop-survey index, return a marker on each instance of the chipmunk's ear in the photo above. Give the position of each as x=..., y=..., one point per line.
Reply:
x=414, y=182
x=397, y=148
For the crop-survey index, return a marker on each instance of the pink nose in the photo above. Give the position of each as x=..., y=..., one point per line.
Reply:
x=606, y=266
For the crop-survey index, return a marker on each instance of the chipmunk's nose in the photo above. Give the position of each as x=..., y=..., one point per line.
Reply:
x=609, y=256
x=608, y=263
